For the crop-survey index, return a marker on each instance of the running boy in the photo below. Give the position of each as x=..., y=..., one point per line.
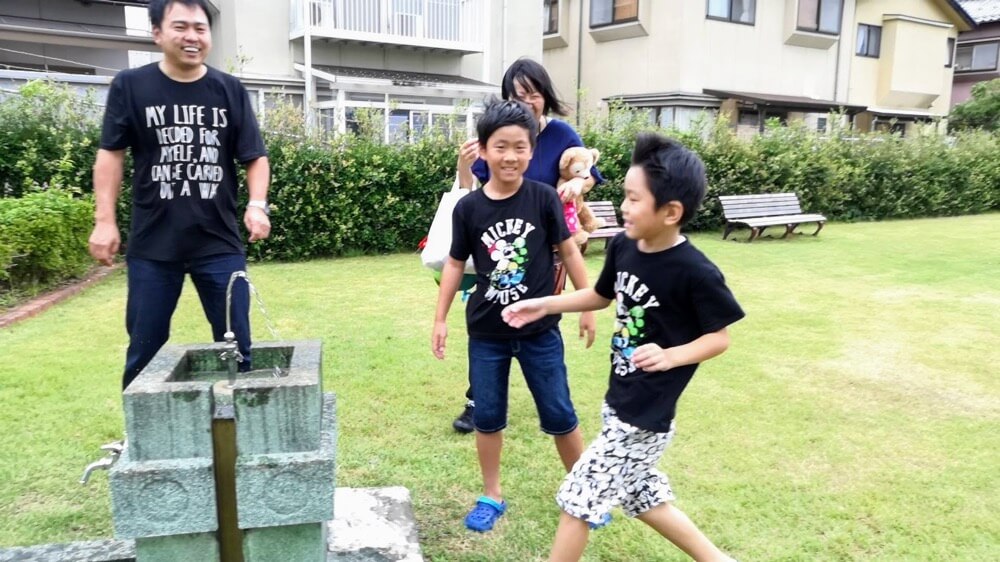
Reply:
x=673, y=308
x=509, y=228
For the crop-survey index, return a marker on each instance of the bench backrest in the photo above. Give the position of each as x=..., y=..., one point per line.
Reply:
x=604, y=210
x=767, y=205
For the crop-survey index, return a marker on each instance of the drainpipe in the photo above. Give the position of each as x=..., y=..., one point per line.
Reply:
x=307, y=48
x=503, y=38
x=579, y=64
x=836, y=69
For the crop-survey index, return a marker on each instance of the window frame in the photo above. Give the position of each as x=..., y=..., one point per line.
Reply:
x=868, y=28
x=550, y=12
x=972, y=46
x=819, y=16
x=743, y=117
x=729, y=18
x=613, y=21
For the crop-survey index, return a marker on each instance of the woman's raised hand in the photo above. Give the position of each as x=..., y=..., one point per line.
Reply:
x=468, y=153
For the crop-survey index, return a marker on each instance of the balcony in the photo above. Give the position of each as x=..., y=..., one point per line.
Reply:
x=437, y=25
x=911, y=66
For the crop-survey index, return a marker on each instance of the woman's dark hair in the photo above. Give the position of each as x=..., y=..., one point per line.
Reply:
x=499, y=113
x=159, y=7
x=532, y=77
x=673, y=172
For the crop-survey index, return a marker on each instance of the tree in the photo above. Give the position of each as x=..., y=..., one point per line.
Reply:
x=980, y=112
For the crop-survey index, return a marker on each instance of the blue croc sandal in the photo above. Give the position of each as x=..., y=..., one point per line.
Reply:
x=604, y=522
x=485, y=514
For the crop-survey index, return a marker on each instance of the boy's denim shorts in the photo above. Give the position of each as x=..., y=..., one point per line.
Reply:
x=541, y=359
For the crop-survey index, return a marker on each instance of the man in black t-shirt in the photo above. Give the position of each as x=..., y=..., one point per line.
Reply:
x=673, y=309
x=187, y=125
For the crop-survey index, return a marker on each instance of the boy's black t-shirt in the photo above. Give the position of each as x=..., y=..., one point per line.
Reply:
x=510, y=241
x=669, y=298
x=185, y=138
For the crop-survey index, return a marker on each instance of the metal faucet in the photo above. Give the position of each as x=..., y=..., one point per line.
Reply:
x=230, y=351
x=114, y=449
x=231, y=356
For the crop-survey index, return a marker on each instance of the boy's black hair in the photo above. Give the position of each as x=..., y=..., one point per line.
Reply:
x=157, y=8
x=533, y=77
x=498, y=113
x=673, y=172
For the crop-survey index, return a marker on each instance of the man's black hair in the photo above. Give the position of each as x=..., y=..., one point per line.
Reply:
x=157, y=8
x=498, y=113
x=532, y=77
x=673, y=172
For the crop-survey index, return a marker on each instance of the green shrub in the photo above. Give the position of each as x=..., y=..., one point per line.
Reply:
x=981, y=111
x=43, y=239
x=352, y=195
x=48, y=137
x=355, y=194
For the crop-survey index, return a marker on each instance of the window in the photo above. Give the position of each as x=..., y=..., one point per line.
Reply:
x=550, y=17
x=739, y=11
x=822, y=16
x=869, y=40
x=751, y=117
x=978, y=57
x=608, y=12
x=409, y=18
x=892, y=127
x=821, y=124
x=949, y=57
x=451, y=126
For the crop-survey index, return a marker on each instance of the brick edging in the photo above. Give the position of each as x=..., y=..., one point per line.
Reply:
x=43, y=302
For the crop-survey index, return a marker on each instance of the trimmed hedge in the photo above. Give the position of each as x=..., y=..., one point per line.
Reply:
x=361, y=196
x=869, y=177
x=355, y=194
x=43, y=239
x=48, y=138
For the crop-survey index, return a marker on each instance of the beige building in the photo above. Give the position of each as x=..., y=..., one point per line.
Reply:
x=83, y=44
x=414, y=64
x=883, y=62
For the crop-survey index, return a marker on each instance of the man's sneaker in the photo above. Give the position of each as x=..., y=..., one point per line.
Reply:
x=463, y=423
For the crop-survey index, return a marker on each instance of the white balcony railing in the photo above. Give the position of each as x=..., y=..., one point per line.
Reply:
x=447, y=24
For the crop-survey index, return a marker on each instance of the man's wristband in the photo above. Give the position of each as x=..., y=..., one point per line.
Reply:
x=260, y=204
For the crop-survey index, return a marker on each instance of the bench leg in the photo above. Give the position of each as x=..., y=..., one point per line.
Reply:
x=819, y=227
x=729, y=230
x=789, y=229
x=754, y=233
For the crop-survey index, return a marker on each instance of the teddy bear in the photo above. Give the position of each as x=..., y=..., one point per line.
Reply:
x=576, y=162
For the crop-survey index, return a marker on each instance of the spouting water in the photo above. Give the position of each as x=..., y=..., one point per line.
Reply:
x=231, y=354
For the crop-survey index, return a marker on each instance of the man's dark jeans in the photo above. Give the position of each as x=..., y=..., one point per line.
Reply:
x=153, y=290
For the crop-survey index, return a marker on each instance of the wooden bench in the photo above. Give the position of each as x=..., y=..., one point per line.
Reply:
x=604, y=210
x=761, y=211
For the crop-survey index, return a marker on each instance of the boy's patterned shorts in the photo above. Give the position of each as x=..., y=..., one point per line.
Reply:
x=618, y=468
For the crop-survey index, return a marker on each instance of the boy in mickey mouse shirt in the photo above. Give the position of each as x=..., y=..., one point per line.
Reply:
x=673, y=309
x=509, y=228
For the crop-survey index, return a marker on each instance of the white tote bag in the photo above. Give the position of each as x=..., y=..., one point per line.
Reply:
x=436, y=252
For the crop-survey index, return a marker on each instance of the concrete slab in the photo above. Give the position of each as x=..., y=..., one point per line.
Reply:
x=369, y=525
x=373, y=525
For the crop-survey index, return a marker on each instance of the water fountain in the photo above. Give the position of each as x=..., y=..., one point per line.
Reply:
x=219, y=465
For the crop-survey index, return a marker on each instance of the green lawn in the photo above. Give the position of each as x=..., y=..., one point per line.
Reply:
x=855, y=416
